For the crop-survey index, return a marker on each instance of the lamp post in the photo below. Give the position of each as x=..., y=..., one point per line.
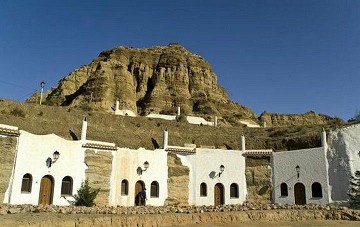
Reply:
x=42, y=85
x=222, y=168
x=146, y=166
x=50, y=161
x=297, y=168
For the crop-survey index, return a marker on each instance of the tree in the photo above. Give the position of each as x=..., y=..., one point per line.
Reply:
x=354, y=192
x=85, y=195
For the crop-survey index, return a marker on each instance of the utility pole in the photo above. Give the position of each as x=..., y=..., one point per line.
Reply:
x=42, y=85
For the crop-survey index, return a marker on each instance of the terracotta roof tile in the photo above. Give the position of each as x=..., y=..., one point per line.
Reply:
x=9, y=132
x=99, y=146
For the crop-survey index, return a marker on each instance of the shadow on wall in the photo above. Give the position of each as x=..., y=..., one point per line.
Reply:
x=155, y=143
x=212, y=174
x=73, y=135
x=339, y=170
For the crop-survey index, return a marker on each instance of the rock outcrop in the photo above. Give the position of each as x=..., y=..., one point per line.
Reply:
x=309, y=118
x=7, y=155
x=98, y=174
x=147, y=80
x=178, y=181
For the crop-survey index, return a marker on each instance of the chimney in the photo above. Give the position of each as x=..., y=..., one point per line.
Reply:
x=178, y=111
x=117, y=105
x=84, y=129
x=215, y=121
x=323, y=140
x=242, y=143
x=166, y=138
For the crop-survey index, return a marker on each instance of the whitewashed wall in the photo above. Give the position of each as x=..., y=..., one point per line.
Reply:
x=33, y=150
x=344, y=159
x=126, y=162
x=125, y=113
x=313, y=168
x=206, y=163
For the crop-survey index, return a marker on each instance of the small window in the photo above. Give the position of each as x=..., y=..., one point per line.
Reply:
x=154, y=190
x=203, y=189
x=234, y=191
x=124, y=187
x=66, y=186
x=26, y=183
x=284, y=189
x=316, y=190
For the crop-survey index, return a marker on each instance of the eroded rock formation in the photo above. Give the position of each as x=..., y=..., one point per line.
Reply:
x=309, y=118
x=145, y=80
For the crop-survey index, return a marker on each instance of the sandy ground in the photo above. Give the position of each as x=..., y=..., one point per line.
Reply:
x=64, y=220
x=329, y=223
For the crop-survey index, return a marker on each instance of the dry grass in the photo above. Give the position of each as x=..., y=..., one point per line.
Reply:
x=144, y=132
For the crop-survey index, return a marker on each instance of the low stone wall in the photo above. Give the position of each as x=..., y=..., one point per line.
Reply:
x=98, y=173
x=29, y=215
x=7, y=155
x=258, y=182
x=178, y=181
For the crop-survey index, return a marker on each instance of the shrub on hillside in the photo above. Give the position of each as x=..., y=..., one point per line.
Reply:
x=85, y=195
x=17, y=112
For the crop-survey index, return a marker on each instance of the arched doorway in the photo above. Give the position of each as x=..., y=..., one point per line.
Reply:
x=300, y=195
x=138, y=188
x=46, y=190
x=219, y=198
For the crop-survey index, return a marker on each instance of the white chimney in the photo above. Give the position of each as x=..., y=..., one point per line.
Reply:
x=84, y=129
x=117, y=105
x=242, y=143
x=323, y=140
x=178, y=111
x=166, y=138
x=215, y=121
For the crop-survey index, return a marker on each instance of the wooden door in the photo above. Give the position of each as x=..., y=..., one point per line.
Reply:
x=138, y=188
x=46, y=190
x=300, y=195
x=219, y=198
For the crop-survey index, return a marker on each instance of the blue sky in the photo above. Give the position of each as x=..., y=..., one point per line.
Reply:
x=271, y=55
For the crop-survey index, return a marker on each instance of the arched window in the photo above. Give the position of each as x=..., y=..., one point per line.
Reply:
x=316, y=190
x=203, y=189
x=66, y=186
x=26, y=183
x=234, y=191
x=124, y=187
x=283, y=189
x=154, y=189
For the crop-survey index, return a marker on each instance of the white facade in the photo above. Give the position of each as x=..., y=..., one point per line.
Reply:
x=129, y=166
x=331, y=165
x=343, y=155
x=204, y=167
x=312, y=168
x=31, y=158
x=190, y=119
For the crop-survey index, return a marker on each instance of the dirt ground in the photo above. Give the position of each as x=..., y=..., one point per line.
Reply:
x=64, y=220
x=329, y=223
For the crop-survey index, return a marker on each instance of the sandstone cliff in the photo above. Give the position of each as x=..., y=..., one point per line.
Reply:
x=145, y=80
x=309, y=118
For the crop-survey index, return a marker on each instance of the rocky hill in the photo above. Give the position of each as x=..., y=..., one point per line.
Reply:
x=157, y=80
x=147, y=80
x=309, y=118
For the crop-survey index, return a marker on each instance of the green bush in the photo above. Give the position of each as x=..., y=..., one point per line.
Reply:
x=354, y=192
x=181, y=118
x=17, y=112
x=85, y=195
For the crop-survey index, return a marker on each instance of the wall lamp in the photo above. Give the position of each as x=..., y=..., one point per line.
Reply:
x=297, y=168
x=146, y=166
x=222, y=168
x=50, y=161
